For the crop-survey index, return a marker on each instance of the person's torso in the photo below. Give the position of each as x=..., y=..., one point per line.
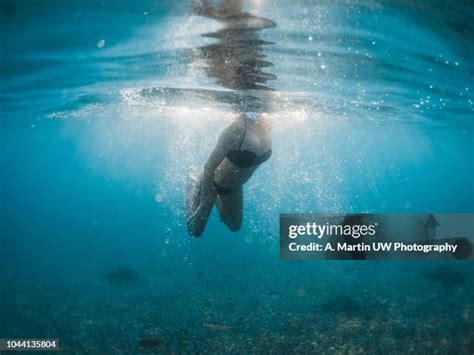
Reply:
x=241, y=162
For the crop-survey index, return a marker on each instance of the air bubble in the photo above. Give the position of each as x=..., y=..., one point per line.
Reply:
x=159, y=197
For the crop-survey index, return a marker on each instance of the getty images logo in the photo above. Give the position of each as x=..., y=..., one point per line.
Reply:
x=321, y=230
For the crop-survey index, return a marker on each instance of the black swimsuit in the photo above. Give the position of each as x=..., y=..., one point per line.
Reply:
x=243, y=159
x=246, y=159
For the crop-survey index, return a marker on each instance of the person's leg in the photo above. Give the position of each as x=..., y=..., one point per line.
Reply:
x=230, y=207
x=197, y=214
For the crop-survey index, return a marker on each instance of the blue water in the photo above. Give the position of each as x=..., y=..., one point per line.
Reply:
x=106, y=105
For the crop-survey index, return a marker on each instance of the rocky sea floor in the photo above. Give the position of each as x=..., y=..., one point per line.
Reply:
x=305, y=307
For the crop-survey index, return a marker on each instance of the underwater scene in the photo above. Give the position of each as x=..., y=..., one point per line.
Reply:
x=109, y=106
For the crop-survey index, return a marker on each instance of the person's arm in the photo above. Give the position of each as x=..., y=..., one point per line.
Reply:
x=228, y=140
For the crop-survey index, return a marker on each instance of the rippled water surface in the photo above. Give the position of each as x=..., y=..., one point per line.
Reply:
x=106, y=105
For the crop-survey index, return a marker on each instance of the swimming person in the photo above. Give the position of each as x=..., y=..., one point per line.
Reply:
x=235, y=61
x=241, y=148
